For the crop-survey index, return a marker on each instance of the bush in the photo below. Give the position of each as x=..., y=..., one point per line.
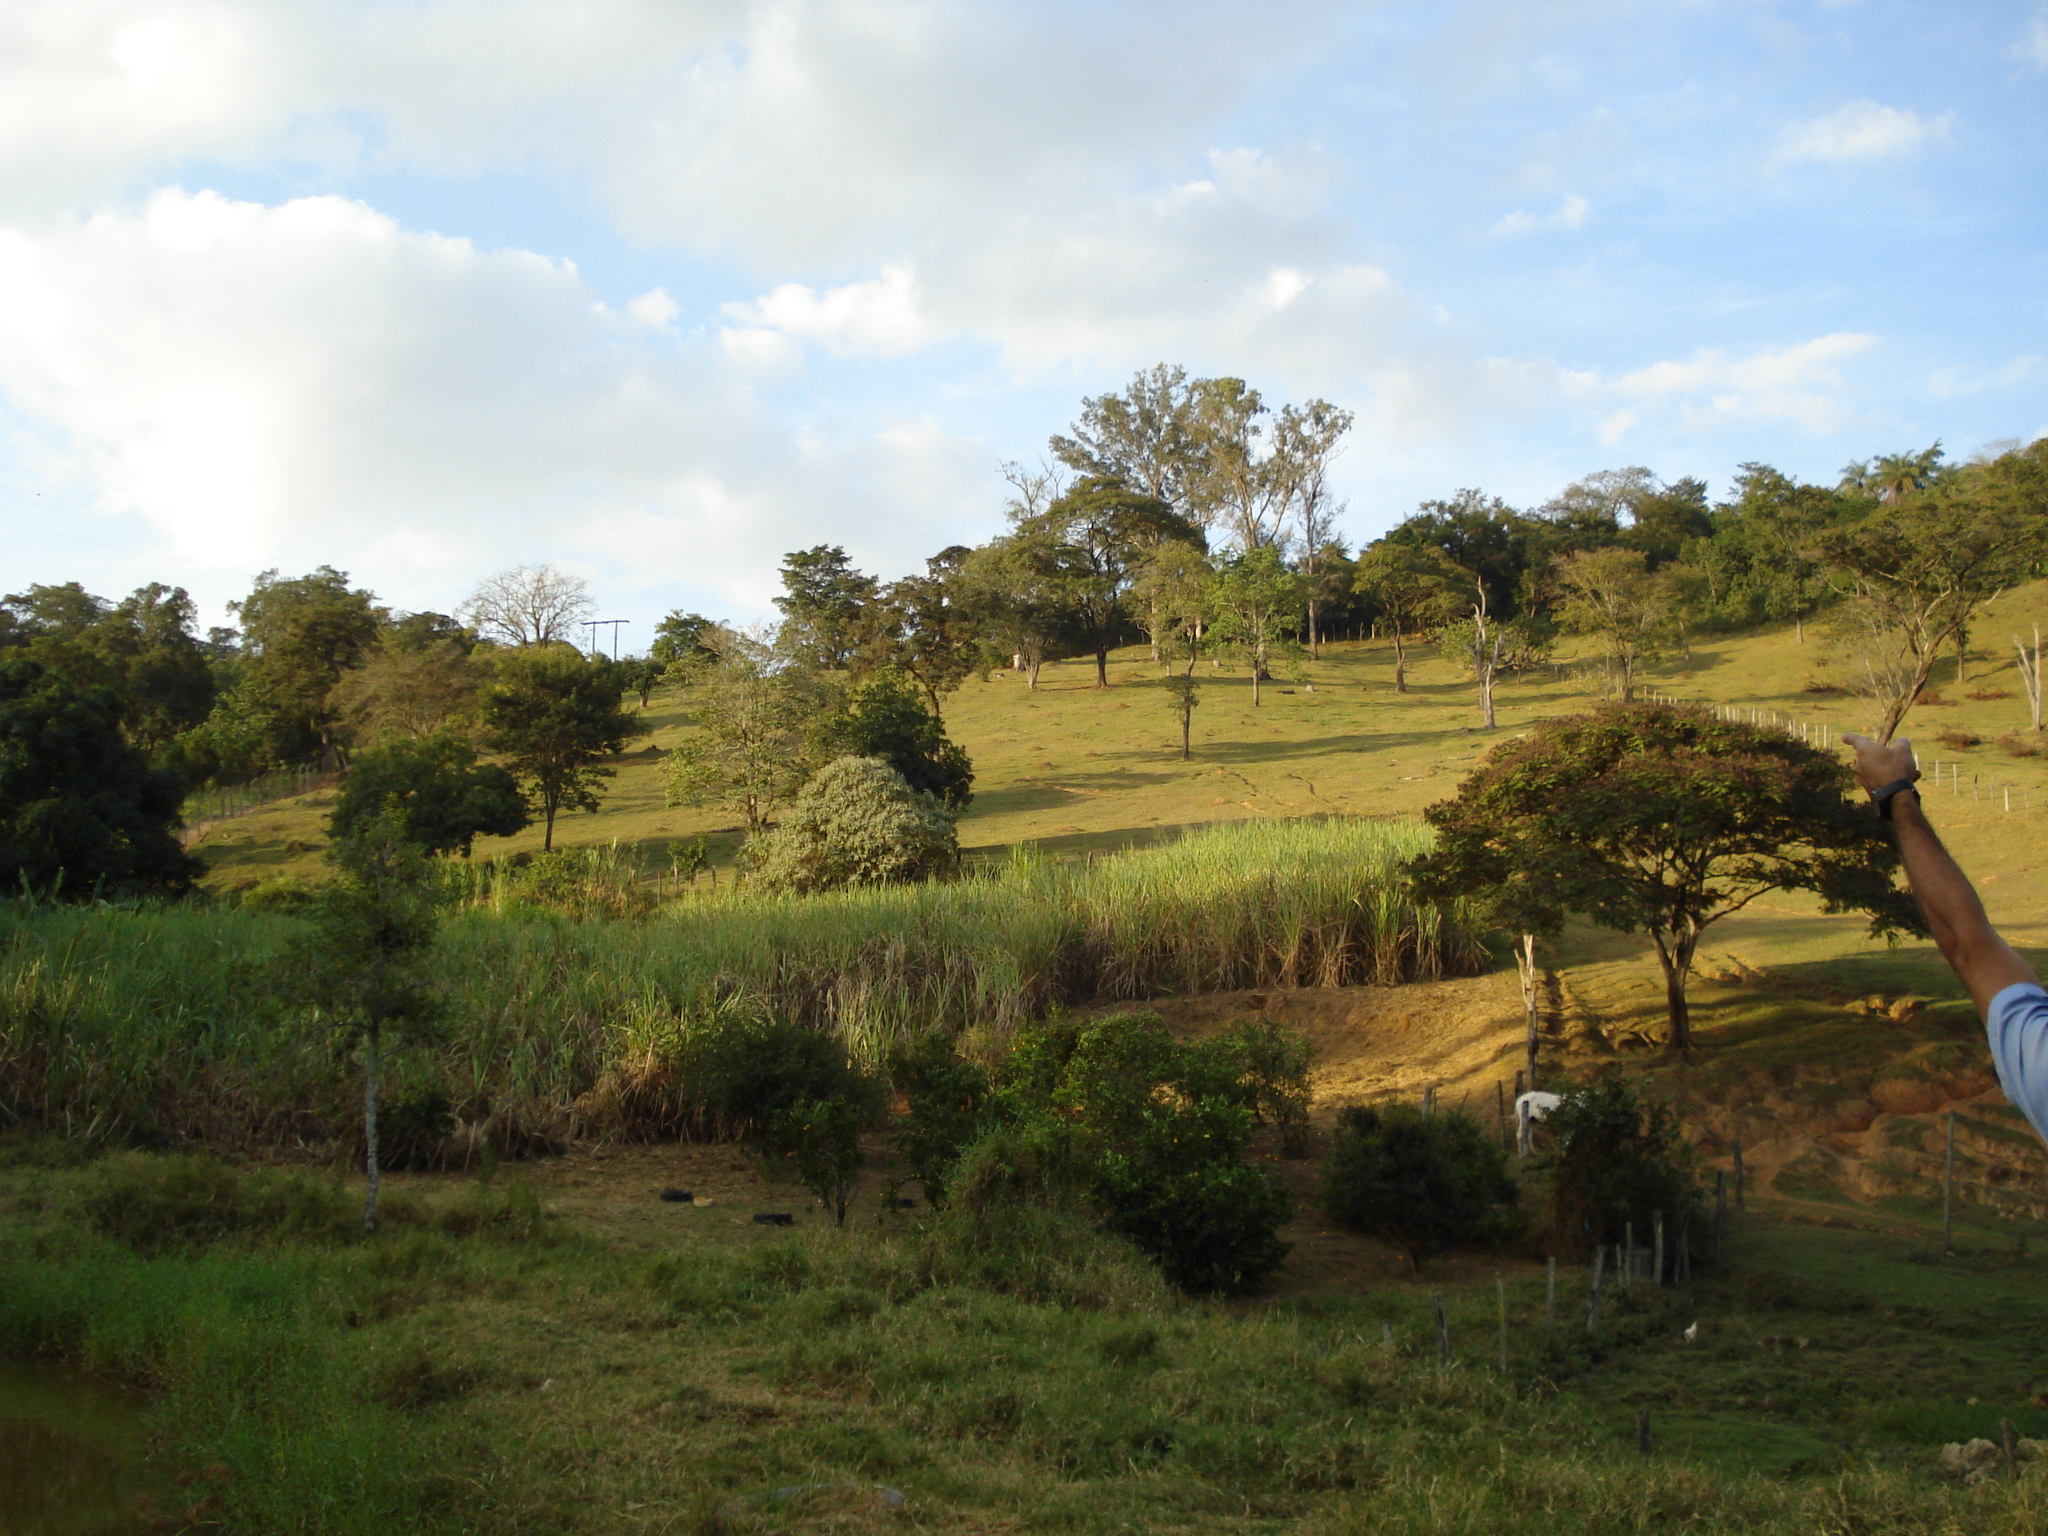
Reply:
x=1618, y=1162
x=858, y=822
x=823, y=1136
x=1423, y=1182
x=741, y=1071
x=945, y=1096
x=1263, y=1066
x=1146, y=1130
x=887, y=717
x=445, y=798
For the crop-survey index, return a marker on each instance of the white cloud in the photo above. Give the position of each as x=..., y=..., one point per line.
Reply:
x=884, y=315
x=1800, y=384
x=311, y=383
x=2032, y=46
x=1569, y=214
x=1861, y=130
x=1947, y=383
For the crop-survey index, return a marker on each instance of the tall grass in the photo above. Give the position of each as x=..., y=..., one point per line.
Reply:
x=162, y=1024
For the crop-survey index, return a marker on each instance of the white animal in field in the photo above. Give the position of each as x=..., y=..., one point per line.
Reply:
x=1530, y=1108
x=1691, y=1334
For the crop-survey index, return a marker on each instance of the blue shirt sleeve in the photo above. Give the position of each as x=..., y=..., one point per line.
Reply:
x=2017, y=1025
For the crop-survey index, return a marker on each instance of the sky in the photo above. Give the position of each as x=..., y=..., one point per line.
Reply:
x=657, y=291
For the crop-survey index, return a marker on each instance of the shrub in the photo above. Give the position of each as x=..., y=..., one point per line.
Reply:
x=1423, y=1182
x=1148, y=1131
x=887, y=717
x=1958, y=741
x=823, y=1137
x=946, y=1096
x=445, y=798
x=1263, y=1066
x=1618, y=1162
x=740, y=1070
x=2021, y=744
x=858, y=822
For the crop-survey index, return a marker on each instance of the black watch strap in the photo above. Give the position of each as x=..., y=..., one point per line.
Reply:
x=1882, y=798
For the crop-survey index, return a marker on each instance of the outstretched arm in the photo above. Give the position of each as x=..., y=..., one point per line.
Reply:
x=1973, y=949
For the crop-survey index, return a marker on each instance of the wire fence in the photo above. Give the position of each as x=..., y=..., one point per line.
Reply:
x=208, y=807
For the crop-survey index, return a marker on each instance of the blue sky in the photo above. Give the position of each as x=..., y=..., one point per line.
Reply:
x=659, y=291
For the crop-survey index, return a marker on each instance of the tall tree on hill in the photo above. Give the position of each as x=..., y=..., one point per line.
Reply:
x=1015, y=589
x=530, y=605
x=1785, y=523
x=1145, y=438
x=825, y=606
x=1656, y=820
x=553, y=713
x=1305, y=442
x=1920, y=569
x=299, y=635
x=1412, y=588
x=751, y=709
x=1098, y=535
x=1631, y=609
x=1256, y=602
x=924, y=627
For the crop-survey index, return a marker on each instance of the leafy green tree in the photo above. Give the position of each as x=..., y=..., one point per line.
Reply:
x=1016, y=588
x=946, y=1097
x=1256, y=602
x=299, y=635
x=141, y=648
x=856, y=823
x=442, y=796
x=553, y=713
x=366, y=963
x=1424, y=1183
x=81, y=809
x=1095, y=540
x=1659, y=820
x=886, y=717
x=1619, y=1163
x=1145, y=437
x=823, y=1138
x=641, y=675
x=682, y=637
x=752, y=710
x=1612, y=594
x=927, y=628
x=825, y=606
x=1922, y=565
x=1774, y=529
x=408, y=689
x=1410, y=586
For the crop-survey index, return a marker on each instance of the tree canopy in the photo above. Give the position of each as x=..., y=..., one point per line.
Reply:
x=1659, y=820
x=554, y=712
x=82, y=812
x=443, y=798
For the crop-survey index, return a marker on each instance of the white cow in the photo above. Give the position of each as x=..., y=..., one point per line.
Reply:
x=1530, y=1108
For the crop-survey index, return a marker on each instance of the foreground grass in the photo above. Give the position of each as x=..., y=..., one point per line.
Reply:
x=483, y=1367
x=166, y=1024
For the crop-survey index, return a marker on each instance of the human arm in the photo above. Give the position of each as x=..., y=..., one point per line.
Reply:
x=1972, y=947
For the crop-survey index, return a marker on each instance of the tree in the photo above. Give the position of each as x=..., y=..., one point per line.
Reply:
x=530, y=605
x=1422, y=1182
x=1096, y=538
x=856, y=823
x=1922, y=566
x=1893, y=477
x=1411, y=586
x=884, y=717
x=1256, y=601
x=1786, y=522
x=365, y=964
x=443, y=798
x=409, y=689
x=1620, y=1163
x=141, y=648
x=82, y=812
x=1305, y=440
x=1015, y=588
x=1145, y=438
x=682, y=637
x=1661, y=821
x=752, y=708
x=1242, y=487
x=925, y=627
x=824, y=606
x=553, y=712
x=1174, y=586
x=299, y=635
x=1613, y=594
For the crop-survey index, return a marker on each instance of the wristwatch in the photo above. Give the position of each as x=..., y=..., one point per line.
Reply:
x=1882, y=798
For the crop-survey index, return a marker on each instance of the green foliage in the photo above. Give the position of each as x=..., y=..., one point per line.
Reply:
x=886, y=717
x=1425, y=1183
x=1150, y=1134
x=1256, y=601
x=857, y=823
x=162, y=1204
x=741, y=1071
x=1659, y=820
x=680, y=637
x=140, y=649
x=299, y=635
x=1618, y=1161
x=752, y=707
x=1263, y=1066
x=945, y=1096
x=554, y=712
x=824, y=605
x=81, y=810
x=822, y=1137
x=444, y=798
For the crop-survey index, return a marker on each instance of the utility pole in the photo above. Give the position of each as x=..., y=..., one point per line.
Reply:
x=593, y=625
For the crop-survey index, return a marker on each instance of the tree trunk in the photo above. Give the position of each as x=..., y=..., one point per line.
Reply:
x=1525, y=963
x=547, y=841
x=1400, y=661
x=1186, y=726
x=370, y=1127
x=1031, y=673
x=1101, y=666
x=1628, y=679
x=1895, y=711
x=1314, y=653
x=1677, y=963
x=1256, y=670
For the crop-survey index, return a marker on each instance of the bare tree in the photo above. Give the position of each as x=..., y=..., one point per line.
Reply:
x=529, y=605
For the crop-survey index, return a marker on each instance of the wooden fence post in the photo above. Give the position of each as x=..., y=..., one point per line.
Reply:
x=1627, y=1267
x=1443, y=1333
x=1500, y=1288
x=1593, y=1289
x=1657, y=1263
x=1642, y=1432
x=1948, y=1189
